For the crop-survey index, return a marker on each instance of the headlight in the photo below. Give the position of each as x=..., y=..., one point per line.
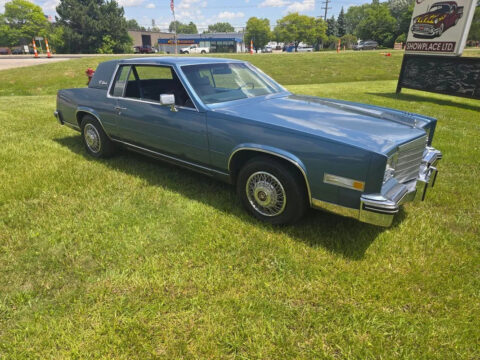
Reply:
x=390, y=168
x=435, y=21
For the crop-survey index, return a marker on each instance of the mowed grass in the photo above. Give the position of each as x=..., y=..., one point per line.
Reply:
x=132, y=258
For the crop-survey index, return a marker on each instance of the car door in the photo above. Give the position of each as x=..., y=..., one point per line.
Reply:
x=180, y=131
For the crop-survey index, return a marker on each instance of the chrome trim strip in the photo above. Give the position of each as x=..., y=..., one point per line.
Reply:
x=171, y=158
x=334, y=208
x=280, y=156
x=75, y=127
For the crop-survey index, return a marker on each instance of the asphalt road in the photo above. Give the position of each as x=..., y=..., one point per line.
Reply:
x=14, y=62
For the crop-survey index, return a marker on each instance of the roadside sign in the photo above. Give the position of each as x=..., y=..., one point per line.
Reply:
x=39, y=38
x=440, y=27
x=26, y=49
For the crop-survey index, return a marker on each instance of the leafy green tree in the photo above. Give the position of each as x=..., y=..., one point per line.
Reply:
x=318, y=33
x=258, y=30
x=353, y=17
x=22, y=21
x=341, y=23
x=348, y=40
x=332, y=26
x=182, y=28
x=474, y=34
x=295, y=28
x=86, y=24
x=132, y=24
x=378, y=24
x=220, y=27
x=402, y=11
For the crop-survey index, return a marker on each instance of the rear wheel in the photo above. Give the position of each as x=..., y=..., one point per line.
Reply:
x=203, y=52
x=94, y=138
x=271, y=191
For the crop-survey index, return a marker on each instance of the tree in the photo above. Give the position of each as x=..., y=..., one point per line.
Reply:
x=402, y=11
x=378, y=24
x=220, y=27
x=332, y=26
x=182, y=28
x=295, y=28
x=353, y=16
x=132, y=24
x=22, y=21
x=341, y=24
x=86, y=24
x=258, y=31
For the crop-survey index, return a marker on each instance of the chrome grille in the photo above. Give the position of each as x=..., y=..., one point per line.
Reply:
x=409, y=158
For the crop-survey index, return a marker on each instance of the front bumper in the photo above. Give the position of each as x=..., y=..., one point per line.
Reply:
x=379, y=209
x=425, y=30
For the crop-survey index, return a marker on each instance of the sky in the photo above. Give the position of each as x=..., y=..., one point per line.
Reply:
x=205, y=12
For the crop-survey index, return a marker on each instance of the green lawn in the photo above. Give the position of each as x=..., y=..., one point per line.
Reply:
x=131, y=258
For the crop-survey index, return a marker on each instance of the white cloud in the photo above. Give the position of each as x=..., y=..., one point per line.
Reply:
x=150, y=6
x=274, y=3
x=227, y=15
x=130, y=3
x=187, y=4
x=305, y=5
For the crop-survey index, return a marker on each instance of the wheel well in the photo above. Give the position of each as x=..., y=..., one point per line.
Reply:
x=240, y=158
x=80, y=116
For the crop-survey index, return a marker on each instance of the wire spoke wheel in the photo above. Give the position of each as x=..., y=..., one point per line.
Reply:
x=266, y=194
x=92, y=138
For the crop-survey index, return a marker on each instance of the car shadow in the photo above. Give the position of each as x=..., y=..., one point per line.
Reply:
x=436, y=101
x=339, y=235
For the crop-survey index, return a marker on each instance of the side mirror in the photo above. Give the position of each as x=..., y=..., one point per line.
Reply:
x=168, y=100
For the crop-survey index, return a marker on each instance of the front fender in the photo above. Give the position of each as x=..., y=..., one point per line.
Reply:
x=294, y=160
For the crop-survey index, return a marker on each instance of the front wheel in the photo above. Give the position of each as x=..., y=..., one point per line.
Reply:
x=271, y=191
x=94, y=138
x=203, y=52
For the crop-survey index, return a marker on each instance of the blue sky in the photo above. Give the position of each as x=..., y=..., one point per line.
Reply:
x=205, y=12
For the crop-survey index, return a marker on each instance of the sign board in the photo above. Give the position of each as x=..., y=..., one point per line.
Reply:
x=458, y=76
x=440, y=27
x=39, y=38
x=26, y=49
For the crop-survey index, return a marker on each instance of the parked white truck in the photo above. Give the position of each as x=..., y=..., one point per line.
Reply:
x=194, y=49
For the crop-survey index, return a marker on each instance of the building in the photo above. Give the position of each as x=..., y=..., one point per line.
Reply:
x=147, y=38
x=216, y=42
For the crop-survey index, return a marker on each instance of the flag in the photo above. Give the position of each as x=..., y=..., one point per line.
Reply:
x=172, y=6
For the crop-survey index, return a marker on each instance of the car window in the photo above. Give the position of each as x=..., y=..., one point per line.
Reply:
x=148, y=82
x=120, y=81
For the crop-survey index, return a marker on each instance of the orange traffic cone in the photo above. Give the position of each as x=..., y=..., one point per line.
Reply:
x=35, y=49
x=49, y=54
x=251, y=47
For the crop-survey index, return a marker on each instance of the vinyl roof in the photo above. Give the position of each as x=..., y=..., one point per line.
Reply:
x=184, y=60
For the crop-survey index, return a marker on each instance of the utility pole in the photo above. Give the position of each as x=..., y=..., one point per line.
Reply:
x=326, y=8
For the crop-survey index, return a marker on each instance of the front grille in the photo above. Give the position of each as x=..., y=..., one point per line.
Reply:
x=409, y=158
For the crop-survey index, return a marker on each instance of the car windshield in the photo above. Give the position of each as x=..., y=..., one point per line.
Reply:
x=216, y=83
x=440, y=8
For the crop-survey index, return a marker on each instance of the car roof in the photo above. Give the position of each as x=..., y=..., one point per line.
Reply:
x=170, y=60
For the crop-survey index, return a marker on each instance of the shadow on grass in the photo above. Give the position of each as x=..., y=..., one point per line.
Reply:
x=344, y=236
x=436, y=101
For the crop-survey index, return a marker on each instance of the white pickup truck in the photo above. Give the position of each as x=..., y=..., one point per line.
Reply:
x=194, y=49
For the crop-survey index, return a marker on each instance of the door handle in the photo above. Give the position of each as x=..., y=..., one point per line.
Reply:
x=119, y=108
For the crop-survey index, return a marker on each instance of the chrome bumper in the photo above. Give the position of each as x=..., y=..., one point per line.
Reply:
x=379, y=209
x=58, y=117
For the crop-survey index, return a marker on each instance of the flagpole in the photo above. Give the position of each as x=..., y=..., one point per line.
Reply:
x=172, y=5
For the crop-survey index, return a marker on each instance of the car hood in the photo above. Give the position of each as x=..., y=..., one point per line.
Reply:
x=429, y=18
x=368, y=127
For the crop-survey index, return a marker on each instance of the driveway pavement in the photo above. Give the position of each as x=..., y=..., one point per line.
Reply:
x=14, y=62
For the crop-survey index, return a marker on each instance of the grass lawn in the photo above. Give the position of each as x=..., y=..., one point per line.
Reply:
x=132, y=258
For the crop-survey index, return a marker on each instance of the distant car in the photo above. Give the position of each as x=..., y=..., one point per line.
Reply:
x=366, y=45
x=195, y=49
x=305, y=48
x=440, y=17
x=147, y=49
x=5, y=51
x=18, y=51
x=284, y=152
x=267, y=49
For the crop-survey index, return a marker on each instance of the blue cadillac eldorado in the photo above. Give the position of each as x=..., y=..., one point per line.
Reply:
x=284, y=152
